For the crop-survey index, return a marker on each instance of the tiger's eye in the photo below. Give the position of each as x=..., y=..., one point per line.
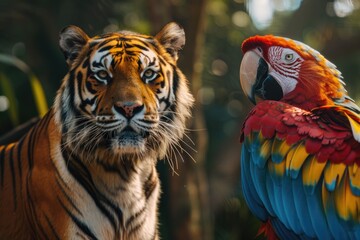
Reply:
x=149, y=73
x=102, y=74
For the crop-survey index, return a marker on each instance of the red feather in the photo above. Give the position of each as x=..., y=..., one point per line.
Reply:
x=323, y=136
x=267, y=230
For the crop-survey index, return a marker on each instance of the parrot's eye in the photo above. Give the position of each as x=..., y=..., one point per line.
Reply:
x=289, y=57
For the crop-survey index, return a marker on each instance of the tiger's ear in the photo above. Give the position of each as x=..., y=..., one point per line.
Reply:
x=72, y=40
x=172, y=37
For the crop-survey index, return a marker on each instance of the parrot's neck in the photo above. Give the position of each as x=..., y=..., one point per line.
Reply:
x=313, y=92
x=307, y=101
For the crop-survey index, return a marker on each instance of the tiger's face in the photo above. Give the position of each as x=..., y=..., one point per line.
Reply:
x=124, y=94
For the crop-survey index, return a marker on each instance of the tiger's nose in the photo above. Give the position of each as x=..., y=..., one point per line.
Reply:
x=128, y=108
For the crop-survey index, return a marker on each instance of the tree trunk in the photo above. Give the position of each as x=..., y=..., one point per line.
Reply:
x=189, y=197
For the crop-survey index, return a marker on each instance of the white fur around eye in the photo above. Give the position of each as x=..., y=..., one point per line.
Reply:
x=149, y=74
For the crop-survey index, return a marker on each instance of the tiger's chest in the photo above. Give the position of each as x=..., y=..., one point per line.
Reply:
x=93, y=202
x=133, y=217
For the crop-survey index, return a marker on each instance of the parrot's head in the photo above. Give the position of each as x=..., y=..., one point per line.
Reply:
x=277, y=68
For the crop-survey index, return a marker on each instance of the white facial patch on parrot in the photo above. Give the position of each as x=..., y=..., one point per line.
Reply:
x=287, y=84
x=284, y=67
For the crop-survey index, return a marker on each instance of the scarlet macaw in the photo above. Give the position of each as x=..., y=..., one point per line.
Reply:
x=300, y=158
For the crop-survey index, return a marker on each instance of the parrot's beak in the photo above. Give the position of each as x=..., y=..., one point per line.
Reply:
x=256, y=81
x=248, y=71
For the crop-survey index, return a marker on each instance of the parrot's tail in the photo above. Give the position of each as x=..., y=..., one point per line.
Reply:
x=267, y=230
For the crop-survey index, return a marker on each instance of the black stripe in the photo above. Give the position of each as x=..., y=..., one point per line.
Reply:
x=176, y=80
x=136, y=227
x=19, y=148
x=52, y=227
x=34, y=136
x=116, y=61
x=141, y=47
x=83, y=227
x=83, y=176
x=134, y=216
x=69, y=104
x=43, y=232
x=2, y=165
x=80, y=235
x=90, y=88
x=129, y=168
x=104, y=43
x=12, y=172
x=162, y=61
x=169, y=117
x=31, y=147
x=68, y=198
x=84, y=102
x=113, y=169
x=60, y=182
x=106, y=48
x=150, y=185
x=86, y=63
x=34, y=218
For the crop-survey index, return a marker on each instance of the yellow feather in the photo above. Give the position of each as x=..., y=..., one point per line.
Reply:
x=260, y=137
x=280, y=147
x=347, y=204
x=265, y=148
x=355, y=127
x=250, y=137
x=354, y=168
x=354, y=175
x=312, y=171
x=277, y=168
x=295, y=158
x=333, y=174
x=325, y=195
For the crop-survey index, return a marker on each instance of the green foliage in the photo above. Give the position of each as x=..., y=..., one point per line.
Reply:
x=8, y=91
x=37, y=90
x=39, y=95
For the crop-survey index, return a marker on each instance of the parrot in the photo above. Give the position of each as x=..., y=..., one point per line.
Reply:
x=300, y=143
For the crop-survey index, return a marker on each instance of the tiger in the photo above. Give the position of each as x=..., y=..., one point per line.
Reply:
x=87, y=169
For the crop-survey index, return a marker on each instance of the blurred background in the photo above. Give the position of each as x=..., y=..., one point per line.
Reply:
x=201, y=199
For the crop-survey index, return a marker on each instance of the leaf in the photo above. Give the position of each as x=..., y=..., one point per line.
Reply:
x=39, y=95
x=9, y=93
x=38, y=91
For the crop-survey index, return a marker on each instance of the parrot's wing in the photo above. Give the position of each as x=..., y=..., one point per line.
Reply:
x=342, y=114
x=301, y=172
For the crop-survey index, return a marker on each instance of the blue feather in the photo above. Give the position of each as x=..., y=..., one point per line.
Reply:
x=336, y=229
x=289, y=205
x=317, y=214
x=354, y=188
x=301, y=207
x=296, y=211
x=258, y=176
x=331, y=186
x=251, y=197
x=254, y=147
x=282, y=231
x=277, y=157
x=276, y=191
